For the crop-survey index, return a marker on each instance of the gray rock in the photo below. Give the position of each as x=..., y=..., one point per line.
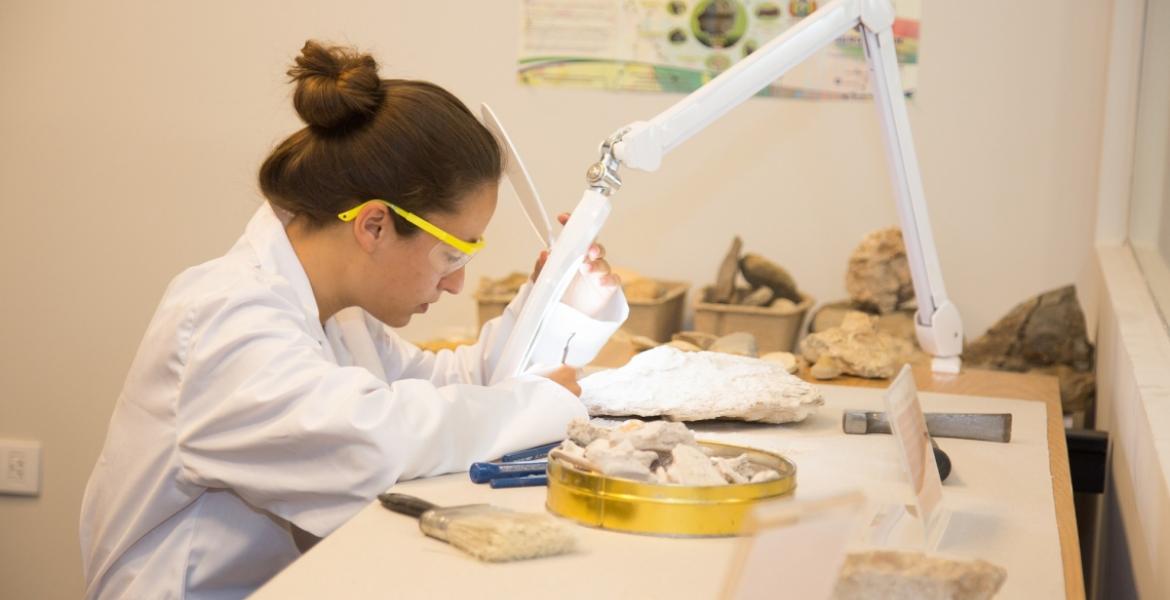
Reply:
x=878, y=277
x=1044, y=334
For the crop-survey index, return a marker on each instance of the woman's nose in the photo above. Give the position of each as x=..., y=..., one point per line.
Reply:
x=453, y=282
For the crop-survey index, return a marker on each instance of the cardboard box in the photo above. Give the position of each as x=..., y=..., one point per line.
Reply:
x=657, y=319
x=776, y=330
x=662, y=317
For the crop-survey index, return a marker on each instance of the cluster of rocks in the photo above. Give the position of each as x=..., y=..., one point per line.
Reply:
x=659, y=452
x=769, y=284
x=635, y=286
x=1045, y=334
x=871, y=334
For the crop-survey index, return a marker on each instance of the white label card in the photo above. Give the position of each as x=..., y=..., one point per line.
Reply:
x=909, y=427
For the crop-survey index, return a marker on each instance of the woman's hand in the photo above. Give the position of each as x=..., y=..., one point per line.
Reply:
x=566, y=376
x=595, y=264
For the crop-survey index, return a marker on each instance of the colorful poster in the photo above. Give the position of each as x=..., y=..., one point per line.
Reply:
x=678, y=45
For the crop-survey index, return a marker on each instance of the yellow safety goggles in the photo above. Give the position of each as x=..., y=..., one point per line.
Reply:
x=448, y=256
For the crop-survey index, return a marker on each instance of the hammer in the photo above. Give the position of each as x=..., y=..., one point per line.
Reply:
x=967, y=426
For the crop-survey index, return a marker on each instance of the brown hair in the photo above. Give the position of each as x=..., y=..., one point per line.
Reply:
x=408, y=142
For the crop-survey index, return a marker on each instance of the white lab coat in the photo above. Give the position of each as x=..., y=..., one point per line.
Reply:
x=241, y=414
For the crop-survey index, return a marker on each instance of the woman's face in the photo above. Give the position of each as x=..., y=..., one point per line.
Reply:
x=405, y=281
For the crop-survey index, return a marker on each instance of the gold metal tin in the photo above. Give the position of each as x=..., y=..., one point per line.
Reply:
x=596, y=500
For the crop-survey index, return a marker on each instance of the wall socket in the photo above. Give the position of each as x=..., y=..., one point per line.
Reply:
x=20, y=467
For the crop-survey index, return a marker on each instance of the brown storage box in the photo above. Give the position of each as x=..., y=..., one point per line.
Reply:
x=660, y=318
x=775, y=330
x=657, y=319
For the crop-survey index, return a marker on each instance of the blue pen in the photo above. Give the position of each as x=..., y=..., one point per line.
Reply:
x=513, y=482
x=482, y=472
x=529, y=453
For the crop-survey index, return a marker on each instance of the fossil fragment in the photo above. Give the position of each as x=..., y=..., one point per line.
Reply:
x=855, y=347
x=760, y=271
x=691, y=386
x=896, y=575
x=690, y=466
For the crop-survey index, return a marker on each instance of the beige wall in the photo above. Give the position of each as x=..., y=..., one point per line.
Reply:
x=130, y=133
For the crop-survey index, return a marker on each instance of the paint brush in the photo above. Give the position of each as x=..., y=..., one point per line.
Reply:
x=486, y=532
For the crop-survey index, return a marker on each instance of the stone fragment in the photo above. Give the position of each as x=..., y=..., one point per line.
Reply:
x=728, y=269
x=761, y=296
x=505, y=286
x=643, y=290
x=641, y=342
x=691, y=386
x=783, y=305
x=878, y=277
x=784, y=359
x=826, y=367
x=740, y=294
x=739, y=343
x=764, y=475
x=583, y=432
x=699, y=338
x=620, y=459
x=895, y=575
x=760, y=271
x=857, y=347
x=690, y=466
x=684, y=346
x=657, y=436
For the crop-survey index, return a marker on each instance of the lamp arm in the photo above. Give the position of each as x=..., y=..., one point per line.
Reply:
x=641, y=145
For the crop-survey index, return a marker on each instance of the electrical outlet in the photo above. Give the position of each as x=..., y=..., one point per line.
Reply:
x=20, y=467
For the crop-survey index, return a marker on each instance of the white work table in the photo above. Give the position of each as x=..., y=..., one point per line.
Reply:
x=1010, y=503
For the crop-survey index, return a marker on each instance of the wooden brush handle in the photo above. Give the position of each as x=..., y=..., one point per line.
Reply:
x=405, y=504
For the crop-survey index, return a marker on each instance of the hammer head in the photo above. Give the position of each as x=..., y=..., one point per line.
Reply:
x=855, y=421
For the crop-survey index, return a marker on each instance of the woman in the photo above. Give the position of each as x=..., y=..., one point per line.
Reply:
x=269, y=396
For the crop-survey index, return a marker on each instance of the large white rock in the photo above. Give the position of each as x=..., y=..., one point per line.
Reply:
x=692, y=386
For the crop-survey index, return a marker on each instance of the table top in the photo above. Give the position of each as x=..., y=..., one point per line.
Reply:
x=378, y=553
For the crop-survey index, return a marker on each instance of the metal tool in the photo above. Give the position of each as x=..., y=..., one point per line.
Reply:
x=968, y=426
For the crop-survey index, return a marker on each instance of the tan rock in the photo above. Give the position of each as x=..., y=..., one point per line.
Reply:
x=893, y=575
x=724, y=286
x=683, y=345
x=878, y=276
x=641, y=342
x=643, y=290
x=760, y=271
x=740, y=343
x=783, y=305
x=505, y=286
x=826, y=367
x=857, y=348
x=899, y=323
x=761, y=296
x=692, y=386
x=784, y=359
x=701, y=339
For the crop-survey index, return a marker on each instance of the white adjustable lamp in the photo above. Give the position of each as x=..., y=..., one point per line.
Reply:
x=642, y=144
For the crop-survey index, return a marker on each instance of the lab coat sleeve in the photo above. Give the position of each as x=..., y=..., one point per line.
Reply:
x=584, y=335
x=264, y=412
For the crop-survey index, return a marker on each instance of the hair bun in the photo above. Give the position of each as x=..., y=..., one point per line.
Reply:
x=336, y=86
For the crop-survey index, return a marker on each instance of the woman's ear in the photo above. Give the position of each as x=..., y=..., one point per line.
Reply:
x=372, y=226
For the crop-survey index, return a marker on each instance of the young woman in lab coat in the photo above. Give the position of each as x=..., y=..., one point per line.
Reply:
x=269, y=395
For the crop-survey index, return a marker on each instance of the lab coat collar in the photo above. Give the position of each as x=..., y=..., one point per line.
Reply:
x=266, y=235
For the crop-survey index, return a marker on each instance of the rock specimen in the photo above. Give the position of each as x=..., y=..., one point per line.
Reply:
x=725, y=281
x=701, y=339
x=892, y=575
x=505, y=286
x=643, y=289
x=761, y=296
x=739, y=343
x=659, y=452
x=1043, y=334
x=856, y=347
x=784, y=359
x=878, y=277
x=691, y=386
x=761, y=272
